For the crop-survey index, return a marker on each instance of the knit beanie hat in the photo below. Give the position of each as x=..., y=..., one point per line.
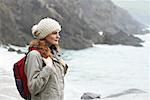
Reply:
x=44, y=27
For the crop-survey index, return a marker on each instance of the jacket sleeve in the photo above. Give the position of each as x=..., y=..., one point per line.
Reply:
x=37, y=76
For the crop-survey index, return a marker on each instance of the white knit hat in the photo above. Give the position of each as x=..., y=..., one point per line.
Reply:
x=44, y=27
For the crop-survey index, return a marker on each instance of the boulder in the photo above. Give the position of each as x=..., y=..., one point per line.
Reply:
x=20, y=52
x=11, y=49
x=89, y=96
x=121, y=38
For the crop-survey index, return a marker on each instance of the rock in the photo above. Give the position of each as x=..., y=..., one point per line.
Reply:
x=20, y=52
x=126, y=92
x=121, y=38
x=14, y=50
x=89, y=96
x=11, y=49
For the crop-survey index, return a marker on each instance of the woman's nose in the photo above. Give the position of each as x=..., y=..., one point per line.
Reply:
x=58, y=35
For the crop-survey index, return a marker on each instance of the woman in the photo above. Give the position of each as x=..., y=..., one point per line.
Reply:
x=45, y=69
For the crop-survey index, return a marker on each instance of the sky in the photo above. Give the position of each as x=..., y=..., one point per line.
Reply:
x=134, y=5
x=139, y=8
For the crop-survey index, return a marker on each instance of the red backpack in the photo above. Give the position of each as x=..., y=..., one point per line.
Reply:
x=21, y=78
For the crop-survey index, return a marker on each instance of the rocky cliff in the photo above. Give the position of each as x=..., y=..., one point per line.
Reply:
x=81, y=21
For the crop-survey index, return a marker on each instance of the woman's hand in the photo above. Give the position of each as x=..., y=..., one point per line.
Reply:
x=47, y=61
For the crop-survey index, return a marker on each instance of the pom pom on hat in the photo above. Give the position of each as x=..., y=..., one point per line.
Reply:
x=44, y=27
x=34, y=30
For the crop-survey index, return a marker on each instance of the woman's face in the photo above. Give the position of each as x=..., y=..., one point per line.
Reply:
x=53, y=38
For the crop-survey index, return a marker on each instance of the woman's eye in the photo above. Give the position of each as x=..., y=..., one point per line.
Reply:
x=54, y=33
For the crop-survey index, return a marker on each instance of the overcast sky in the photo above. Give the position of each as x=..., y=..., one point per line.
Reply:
x=139, y=8
x=134, y=5
x=130, y=0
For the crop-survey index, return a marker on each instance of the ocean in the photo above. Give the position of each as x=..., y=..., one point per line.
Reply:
x=115, y=72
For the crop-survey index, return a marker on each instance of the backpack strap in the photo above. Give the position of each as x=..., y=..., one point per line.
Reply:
x=33, y=48
x=29, y=96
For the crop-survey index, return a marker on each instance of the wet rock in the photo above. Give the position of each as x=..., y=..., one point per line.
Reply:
x=126, y=92
x=20, y=52
x=121, y=38
x=89, y=96
x=11, y=49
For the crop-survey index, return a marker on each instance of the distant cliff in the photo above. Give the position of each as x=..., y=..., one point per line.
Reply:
x=81, y=21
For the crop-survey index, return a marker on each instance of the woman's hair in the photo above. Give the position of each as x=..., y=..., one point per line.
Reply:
x=43, y=48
